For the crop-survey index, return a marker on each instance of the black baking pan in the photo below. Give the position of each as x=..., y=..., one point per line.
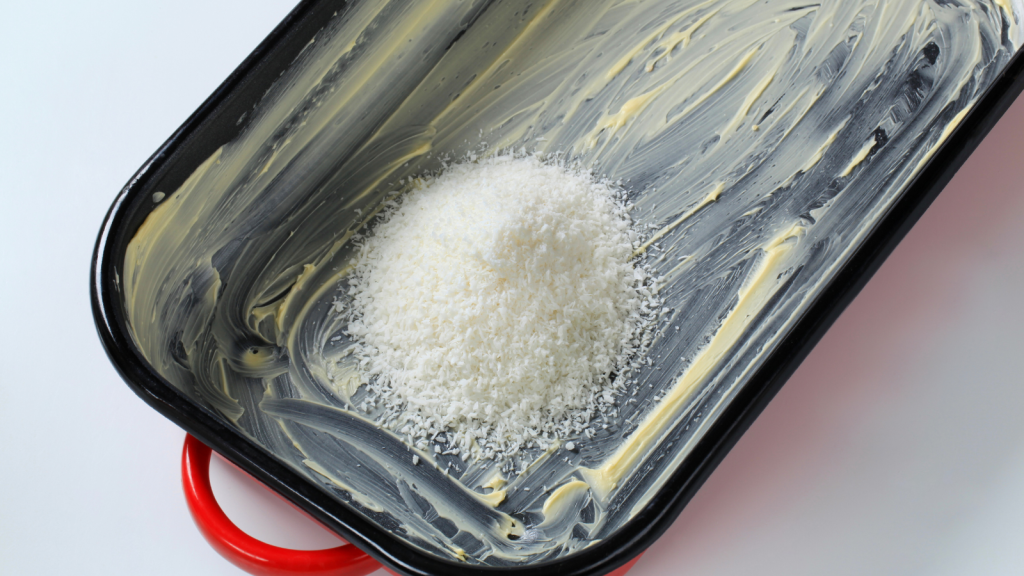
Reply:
x=881, y=133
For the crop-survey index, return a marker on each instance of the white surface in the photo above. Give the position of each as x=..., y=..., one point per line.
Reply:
x=898, y=447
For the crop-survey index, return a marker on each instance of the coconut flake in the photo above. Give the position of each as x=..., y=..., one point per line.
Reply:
x=495, y=300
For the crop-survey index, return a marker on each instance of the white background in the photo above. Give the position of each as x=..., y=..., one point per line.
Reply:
x=897, y=448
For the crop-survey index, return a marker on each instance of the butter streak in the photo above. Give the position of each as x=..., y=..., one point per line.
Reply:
x=233, y=284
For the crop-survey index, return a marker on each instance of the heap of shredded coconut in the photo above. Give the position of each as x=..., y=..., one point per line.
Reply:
x=499, y=302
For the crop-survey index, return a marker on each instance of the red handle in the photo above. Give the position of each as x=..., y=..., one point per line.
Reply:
x=257, y=557
x=246, y=552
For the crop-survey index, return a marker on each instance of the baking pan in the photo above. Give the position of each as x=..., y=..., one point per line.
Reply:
x=777, y=152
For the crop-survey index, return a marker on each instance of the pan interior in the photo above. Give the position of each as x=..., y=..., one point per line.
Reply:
x=760, y=141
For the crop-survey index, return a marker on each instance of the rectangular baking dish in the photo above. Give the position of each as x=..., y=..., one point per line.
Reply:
x=760, y=259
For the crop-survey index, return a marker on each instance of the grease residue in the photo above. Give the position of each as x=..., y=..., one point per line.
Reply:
x=762, y=142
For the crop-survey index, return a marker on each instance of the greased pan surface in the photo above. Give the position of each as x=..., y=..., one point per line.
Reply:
x=772, y=147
